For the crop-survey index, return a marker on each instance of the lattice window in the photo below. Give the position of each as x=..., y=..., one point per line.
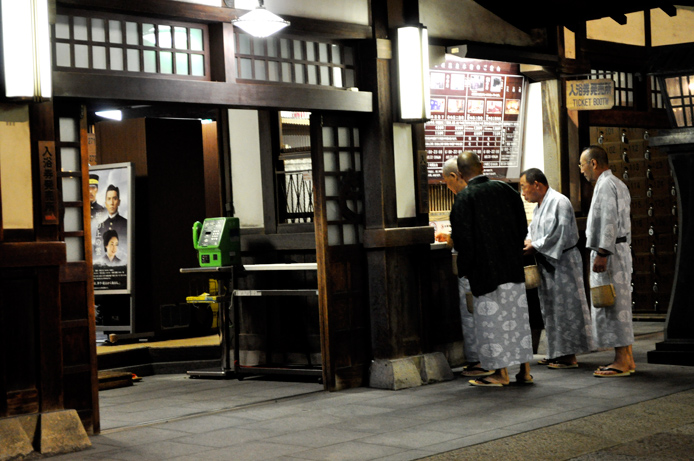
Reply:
x=285, y=60
x=120, y=44
x=344, y=185
x=293, y=173
x=656, y=94
x=68, y=149
x=624, y=86
x=680, y=91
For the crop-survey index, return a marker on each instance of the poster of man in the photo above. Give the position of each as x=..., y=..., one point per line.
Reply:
x=111, y=226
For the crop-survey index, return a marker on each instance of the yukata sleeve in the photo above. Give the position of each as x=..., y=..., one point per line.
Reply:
x=556, y=231
x=605, y=218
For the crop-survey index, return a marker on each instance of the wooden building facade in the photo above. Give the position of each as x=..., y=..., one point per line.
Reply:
x=163, y=60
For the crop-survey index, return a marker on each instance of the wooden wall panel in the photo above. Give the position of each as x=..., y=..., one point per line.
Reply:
x=213, y=172
x=113, y=146
x=18, y=354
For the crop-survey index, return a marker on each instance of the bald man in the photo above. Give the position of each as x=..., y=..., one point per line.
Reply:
x=553, y=238
x=471, y=368
x=488, y=229
x=608, y=236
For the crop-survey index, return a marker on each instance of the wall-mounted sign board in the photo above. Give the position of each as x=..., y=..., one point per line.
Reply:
x=590, y=94
x=476, y=106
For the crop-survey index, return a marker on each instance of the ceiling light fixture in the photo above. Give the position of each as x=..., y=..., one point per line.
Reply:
x=26, y=50
x=260, y=22
x=413, y=73
x=110, y=114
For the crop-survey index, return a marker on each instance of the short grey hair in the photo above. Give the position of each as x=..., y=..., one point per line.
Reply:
x=450, y=166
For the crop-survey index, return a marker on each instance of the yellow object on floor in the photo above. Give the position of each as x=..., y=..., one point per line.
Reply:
x=212, y=340
x=202, y=298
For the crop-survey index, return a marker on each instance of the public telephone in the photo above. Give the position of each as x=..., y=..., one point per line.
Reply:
x=218, y=242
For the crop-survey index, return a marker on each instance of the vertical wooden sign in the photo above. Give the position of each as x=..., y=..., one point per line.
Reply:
x=49, y=182
x=91, y=148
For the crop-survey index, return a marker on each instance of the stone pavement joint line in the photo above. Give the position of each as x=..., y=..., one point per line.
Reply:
x=566, y=414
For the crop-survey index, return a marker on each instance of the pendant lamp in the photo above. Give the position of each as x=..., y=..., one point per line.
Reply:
x=260, y=22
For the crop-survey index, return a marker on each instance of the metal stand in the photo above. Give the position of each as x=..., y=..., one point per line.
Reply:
x=224, y=275
x=271, y=370
x=230, y=362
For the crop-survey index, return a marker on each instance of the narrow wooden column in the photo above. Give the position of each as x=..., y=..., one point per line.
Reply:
x=395, y=255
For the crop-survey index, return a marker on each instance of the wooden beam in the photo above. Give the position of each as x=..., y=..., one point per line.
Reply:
x=620, y=19
x=670, y=10
x=280, y=96
x=638, y=119
x=191, y=12
x=489, y=51
x=400, y=236
x=32, y=254
x=278, y=242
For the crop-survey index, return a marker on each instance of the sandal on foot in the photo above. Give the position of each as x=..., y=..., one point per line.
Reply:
x=605, y=367
x=484, y=382
x=473, y=372
x=613, y=373
x=521, y=381
x=562, y=365
x=467, y=365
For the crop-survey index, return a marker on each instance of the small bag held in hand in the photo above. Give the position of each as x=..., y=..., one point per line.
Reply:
x=603, y=295
x=532, y=276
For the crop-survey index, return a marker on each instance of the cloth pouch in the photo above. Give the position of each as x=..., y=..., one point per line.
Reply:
x=603, y=295
x=532, y=276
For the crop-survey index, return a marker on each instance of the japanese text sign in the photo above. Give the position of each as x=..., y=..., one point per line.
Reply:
x=590, y=94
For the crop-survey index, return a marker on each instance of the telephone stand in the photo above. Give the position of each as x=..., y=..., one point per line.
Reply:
x=225, y=278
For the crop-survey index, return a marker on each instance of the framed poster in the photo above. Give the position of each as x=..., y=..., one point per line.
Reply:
x=112, y=213
x=476, y=106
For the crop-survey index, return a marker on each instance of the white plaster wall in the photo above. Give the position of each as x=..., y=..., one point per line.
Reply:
x=608, y=29
x=675, y=30
x=244, y=142
x=350, y=11
x=15, y=167
x=457, y=20
x=533, y=150
x=404, y=170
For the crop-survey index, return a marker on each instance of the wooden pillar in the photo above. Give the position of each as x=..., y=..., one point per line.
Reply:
x=678, y=345
x=395, y=255
x=32, y=388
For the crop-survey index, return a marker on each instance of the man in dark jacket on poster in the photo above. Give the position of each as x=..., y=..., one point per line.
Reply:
x=488, y=229
x=114, y=221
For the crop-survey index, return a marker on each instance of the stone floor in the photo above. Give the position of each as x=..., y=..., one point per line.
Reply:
x=566, y=414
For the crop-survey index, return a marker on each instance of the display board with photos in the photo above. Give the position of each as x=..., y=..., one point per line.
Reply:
x=111, y=197
x=476, y=106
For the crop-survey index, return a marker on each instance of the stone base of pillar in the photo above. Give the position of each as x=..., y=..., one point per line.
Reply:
x=45, y=434
x=403, y=373
x=673, y=352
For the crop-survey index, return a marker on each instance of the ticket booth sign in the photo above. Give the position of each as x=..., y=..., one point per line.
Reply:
x=590, y=94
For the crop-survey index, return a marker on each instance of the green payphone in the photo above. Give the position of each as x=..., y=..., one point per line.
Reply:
x=218, y=242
